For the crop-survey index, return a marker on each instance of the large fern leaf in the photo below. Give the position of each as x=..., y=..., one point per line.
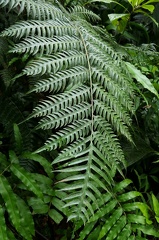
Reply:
x=90, y=105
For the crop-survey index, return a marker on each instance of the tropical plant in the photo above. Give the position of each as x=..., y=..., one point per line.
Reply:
x=86, y=105
x=130, y=20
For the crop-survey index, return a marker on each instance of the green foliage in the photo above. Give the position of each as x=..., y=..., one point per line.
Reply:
x=86, y=105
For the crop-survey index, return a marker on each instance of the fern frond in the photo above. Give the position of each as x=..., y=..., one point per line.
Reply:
x=35, y=9
x=54, y=63
x=66, y=116
x=39, y=28
x=63, y=137
x=61, y=101
x=108, y=114
x=90, y=106
x=81, y=12
x=62, y=79
x=44, y=45
x=117, y=222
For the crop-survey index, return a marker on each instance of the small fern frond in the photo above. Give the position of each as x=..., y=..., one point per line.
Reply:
x=81, y=12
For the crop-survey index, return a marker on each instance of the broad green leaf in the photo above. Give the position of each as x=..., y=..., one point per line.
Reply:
x=149, y=230
x=87, y=229
x=115, y=16
x=150, y=8
x=123, y=184
x=26, y=178
x=39, y=207
x=133, y=206
x=155, y=205
x=142, y=79
x=134, y=218
x=56, y=216
x=145, y=211
x=117, y=228
x=152, y=1
x=104, y=210
x=135, y=3
x=110, y=222
x=128, y=196
x=10, y=201
x=3, y=230
x=43, y=161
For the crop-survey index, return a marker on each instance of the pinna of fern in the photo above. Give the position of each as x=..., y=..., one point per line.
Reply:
x=89, y=103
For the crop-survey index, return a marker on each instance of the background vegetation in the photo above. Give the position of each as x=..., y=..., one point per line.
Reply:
x=79, y=128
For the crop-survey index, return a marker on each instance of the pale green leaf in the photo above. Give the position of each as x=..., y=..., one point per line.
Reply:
x=128, y=196
x=145, y=211
x=123, y=184
x=142, y=79
x=150, y=8
x=115, y=16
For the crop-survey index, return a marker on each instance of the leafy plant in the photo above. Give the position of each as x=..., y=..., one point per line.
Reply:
x=87, y=103
x=130, y=21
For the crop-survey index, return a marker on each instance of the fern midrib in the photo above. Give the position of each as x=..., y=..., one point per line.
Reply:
x=90, y=155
